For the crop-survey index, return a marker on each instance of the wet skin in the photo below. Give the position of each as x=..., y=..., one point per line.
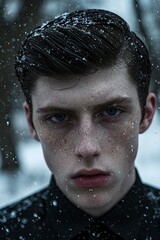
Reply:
x=88, y=128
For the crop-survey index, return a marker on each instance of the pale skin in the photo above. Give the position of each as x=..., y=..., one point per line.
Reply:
x=91, y=122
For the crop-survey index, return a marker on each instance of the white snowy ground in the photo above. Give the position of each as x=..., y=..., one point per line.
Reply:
x=35, y=175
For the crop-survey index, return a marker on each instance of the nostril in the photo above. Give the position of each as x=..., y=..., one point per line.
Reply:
x=87, y=152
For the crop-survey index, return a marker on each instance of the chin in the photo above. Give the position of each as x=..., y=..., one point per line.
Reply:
x=94, y=204
x=95, y=209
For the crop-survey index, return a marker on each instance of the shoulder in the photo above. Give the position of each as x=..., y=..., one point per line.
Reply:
x=23, y=213
x=153, y=196
x=22, y=206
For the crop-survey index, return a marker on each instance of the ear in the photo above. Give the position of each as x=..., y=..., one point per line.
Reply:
x=149, y=112
x=29, y=120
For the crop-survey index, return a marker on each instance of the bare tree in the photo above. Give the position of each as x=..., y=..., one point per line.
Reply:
x=148, y=22
x=12, y=33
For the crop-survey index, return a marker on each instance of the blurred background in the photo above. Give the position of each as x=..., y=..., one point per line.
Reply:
x=22, y=167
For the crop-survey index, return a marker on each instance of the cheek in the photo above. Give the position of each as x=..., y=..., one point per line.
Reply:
x=122, y=142
x=56, y=151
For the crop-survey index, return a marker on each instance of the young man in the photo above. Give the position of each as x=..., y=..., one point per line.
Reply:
x=86, y=77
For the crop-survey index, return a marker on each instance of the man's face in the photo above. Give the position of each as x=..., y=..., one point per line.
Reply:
x=88, y=129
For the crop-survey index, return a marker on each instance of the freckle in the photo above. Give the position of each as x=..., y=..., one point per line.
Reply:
x=65, y=141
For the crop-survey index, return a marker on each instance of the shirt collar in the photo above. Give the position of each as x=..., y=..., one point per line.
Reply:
x=123, y=219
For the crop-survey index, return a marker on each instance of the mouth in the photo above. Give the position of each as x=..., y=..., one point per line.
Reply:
x=91, y=178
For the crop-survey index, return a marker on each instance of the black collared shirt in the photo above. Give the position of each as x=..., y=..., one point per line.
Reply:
x=50, y=215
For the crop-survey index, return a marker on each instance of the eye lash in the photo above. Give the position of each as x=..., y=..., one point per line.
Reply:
x=110, y=107
x=101, y=113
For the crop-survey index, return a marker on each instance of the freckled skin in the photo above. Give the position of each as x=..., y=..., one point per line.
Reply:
x=86, y=140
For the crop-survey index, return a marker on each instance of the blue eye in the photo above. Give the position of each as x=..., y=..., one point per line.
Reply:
x=113, y=111
x=59, y=117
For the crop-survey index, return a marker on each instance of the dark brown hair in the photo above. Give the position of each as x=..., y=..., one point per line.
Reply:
x=79, y=43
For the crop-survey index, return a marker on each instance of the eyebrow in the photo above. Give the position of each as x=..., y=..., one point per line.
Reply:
x=112, y=102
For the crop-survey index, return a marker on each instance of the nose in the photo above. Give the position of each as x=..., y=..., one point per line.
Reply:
x=87, y=146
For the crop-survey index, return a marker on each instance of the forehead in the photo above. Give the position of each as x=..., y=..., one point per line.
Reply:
x=104, y=84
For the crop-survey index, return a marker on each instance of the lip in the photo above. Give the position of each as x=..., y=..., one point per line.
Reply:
x=91, y=178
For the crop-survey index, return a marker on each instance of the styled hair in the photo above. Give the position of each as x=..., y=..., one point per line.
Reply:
x=80, y=43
